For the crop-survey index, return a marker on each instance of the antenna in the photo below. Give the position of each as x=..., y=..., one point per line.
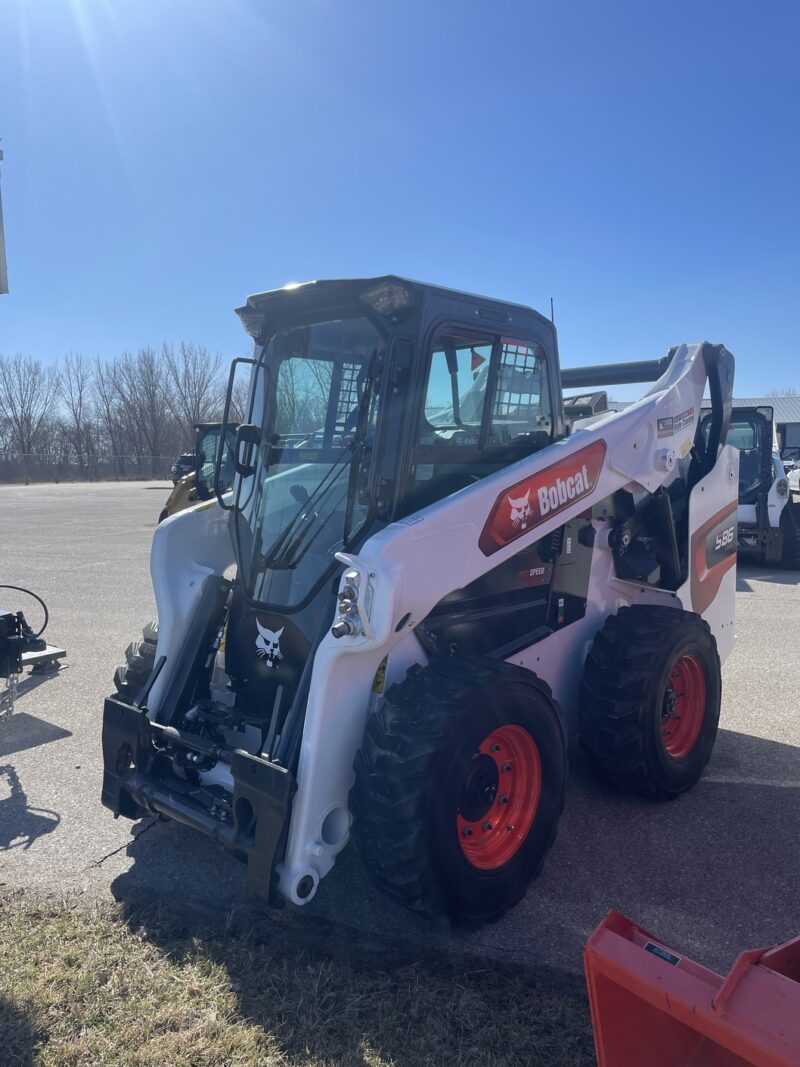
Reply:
x=552, y=316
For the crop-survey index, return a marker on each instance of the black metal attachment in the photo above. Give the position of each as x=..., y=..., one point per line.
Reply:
x=719, y=366
x=139, y=777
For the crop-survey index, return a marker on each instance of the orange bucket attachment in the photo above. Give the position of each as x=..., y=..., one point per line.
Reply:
x=653, y=1007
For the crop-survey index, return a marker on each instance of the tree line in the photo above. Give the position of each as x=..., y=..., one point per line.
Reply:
x=127, y=417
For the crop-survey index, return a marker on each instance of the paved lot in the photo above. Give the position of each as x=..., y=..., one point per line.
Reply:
x=712, y=872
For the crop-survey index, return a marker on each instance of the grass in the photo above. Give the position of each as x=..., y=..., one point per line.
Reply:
x=97, y=985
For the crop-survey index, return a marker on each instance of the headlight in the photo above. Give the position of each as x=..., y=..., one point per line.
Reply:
x=388, y=299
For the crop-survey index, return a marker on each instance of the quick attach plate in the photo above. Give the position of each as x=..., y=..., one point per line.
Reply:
x=138, y=778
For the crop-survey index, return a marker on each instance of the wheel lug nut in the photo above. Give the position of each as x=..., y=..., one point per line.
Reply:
x=503, y=800
x=510, y=827
x=494, y=748
x=467, y=831
x=506, y=767
x=487, y=827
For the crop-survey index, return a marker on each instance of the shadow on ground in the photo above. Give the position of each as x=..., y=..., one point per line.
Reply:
x=712, y=872
x=20, y=824
x=18, y=1035
x=318, y=997
x=24, y=731
x=745, y=573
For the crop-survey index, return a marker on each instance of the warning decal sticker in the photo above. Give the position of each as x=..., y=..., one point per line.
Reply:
x=672, y=423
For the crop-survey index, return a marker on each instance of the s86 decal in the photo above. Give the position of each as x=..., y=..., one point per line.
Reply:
x=720, y=541
x=725, y=538
x=713, y=555
x=542, y=495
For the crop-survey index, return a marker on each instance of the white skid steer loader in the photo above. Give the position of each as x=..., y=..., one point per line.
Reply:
x=428, y=575
x=767, y=519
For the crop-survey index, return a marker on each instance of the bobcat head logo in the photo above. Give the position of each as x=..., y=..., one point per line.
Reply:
x=268, y=644
x=521, y=510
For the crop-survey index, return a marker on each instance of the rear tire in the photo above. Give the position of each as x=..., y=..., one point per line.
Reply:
x=790, y=553
x=459, y=746
x=650, y=700
x=140, y=656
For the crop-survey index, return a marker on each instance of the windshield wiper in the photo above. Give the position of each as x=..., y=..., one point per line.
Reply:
x=280, y=554
x=283, y=554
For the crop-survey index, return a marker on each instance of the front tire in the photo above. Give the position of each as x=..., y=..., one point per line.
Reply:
x=459, y=787
x=650, y=700
x=140, y=657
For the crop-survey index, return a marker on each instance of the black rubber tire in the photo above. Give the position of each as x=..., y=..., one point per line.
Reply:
x=625, y=679
x=418, y=748
x=140, y=656
x=790, y=553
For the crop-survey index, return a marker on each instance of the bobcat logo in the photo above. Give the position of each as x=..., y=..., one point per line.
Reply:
x=268, y=644
x=521, y=511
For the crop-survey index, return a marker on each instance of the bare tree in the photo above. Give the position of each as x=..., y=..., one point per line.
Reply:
x=784, y=392
x=239, y=397
x=28, y=395
x=143, y=407
x=194, y=393
x=105, y=401
x=128, y=415
x=76, y=382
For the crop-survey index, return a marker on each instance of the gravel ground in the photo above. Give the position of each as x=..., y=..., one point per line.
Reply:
x=711, y=873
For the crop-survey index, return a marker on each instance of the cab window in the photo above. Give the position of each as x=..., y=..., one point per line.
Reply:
x=486, y=403
x=521, y=407
x=455, y=396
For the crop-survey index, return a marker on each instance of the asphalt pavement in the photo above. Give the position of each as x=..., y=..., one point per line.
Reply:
x=711, y=873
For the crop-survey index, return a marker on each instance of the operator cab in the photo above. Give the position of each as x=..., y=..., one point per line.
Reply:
x=370, y=400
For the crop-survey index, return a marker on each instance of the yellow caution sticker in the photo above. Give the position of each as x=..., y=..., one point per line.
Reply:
x=686, y=448
x=380, y=677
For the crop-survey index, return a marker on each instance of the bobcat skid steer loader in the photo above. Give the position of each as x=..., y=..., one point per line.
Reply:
x=424, y=580
x=768, y=522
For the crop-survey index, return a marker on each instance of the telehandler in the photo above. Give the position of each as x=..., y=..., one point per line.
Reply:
x=430, y=572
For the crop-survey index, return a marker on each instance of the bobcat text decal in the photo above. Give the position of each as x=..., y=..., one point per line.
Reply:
x=541, y=496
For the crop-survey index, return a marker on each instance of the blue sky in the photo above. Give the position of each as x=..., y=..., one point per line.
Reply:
x=638, y=162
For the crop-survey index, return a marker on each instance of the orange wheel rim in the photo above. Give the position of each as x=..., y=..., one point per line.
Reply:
x=684, y=707
x=499, y=798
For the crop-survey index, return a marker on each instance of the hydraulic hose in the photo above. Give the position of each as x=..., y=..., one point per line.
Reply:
x=22, y=589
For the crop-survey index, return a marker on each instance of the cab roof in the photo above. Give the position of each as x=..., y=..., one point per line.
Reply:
x=335, y=292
